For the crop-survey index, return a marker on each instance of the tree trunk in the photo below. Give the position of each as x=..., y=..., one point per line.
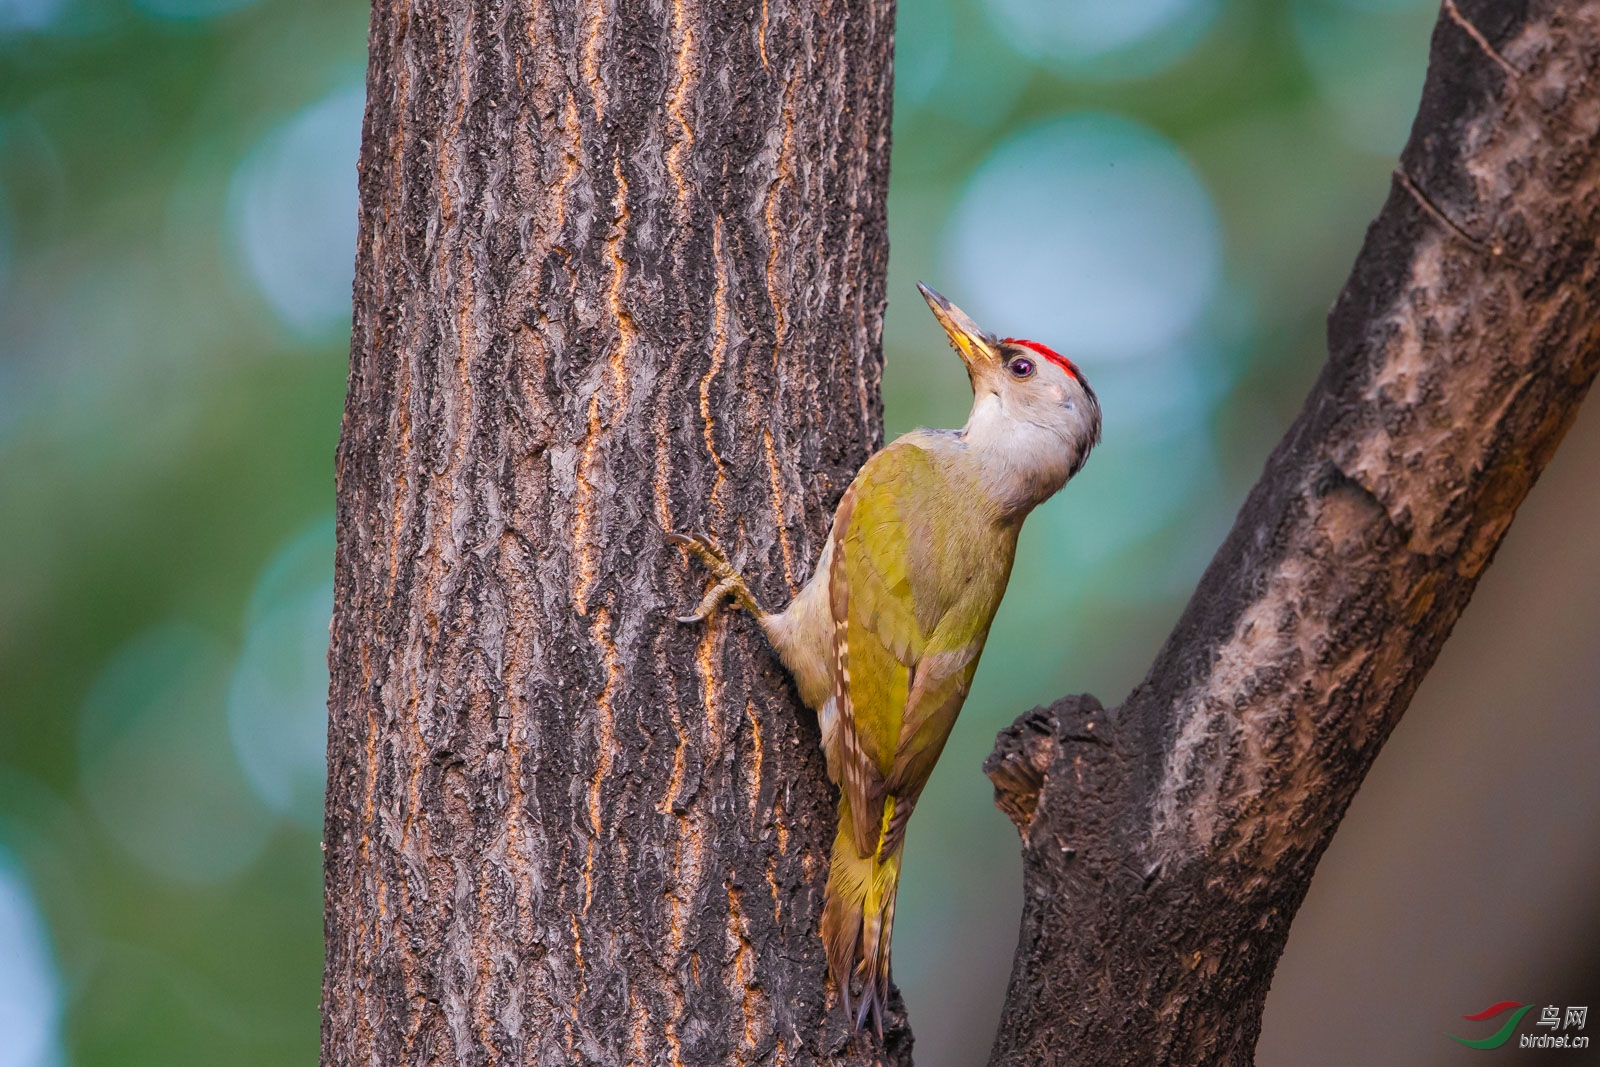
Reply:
x=1168, y=842
x=621, y=271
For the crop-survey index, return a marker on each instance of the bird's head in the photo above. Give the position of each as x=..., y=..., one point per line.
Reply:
x=1022, y=391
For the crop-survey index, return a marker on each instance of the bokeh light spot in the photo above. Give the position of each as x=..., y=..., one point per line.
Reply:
x=293, y=214
x=922, y=52
x=1096, y=39
x=156, y=764
x=278, y=695
x=23, y=15
x=191, y=9
x=1390, y=6
x=1090, y=233
x=30, y=993
x=1368, y=59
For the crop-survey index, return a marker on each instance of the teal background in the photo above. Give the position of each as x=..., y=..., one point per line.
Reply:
x=1170, y=191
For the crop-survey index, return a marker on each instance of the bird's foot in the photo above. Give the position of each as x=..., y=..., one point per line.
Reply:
x=727, y=581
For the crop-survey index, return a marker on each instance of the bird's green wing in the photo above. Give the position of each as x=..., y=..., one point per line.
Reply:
x=913, y=590
x=940, y=683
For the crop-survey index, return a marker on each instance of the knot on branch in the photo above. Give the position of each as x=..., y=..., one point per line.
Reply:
x=1024, y=751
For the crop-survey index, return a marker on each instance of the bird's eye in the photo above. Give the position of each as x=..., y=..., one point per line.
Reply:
x=1021, y=367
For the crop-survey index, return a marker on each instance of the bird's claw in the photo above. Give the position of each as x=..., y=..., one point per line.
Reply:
x=706, y=550
x=708, y=603
x=728, y=581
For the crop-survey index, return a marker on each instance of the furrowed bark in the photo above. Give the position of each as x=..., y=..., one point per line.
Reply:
x=1169, y=841
x=620, y=271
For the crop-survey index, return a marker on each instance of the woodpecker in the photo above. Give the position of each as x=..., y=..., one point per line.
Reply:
x=884, y=637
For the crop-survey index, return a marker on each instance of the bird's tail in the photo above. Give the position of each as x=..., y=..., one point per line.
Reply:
x=858, y=919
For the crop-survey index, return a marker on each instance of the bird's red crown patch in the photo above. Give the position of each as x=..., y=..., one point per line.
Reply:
x=1048, y=353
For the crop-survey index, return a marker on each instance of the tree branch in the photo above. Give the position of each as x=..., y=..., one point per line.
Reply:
x=1167, y=848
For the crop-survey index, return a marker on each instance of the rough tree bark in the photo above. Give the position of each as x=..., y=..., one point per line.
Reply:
x=1168, y=841
x=621, y=270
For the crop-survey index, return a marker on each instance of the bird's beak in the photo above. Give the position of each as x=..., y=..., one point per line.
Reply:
x=976, y=348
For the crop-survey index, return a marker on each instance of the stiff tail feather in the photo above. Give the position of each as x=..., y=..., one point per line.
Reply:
x=858, y=921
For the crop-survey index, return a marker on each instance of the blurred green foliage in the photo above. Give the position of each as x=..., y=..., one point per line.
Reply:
x=170, y=392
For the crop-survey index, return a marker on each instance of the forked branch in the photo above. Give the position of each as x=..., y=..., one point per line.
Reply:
x=1169, y=841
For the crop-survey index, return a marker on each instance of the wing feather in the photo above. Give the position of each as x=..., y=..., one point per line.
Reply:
x=909, y=620
x=852, y=768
